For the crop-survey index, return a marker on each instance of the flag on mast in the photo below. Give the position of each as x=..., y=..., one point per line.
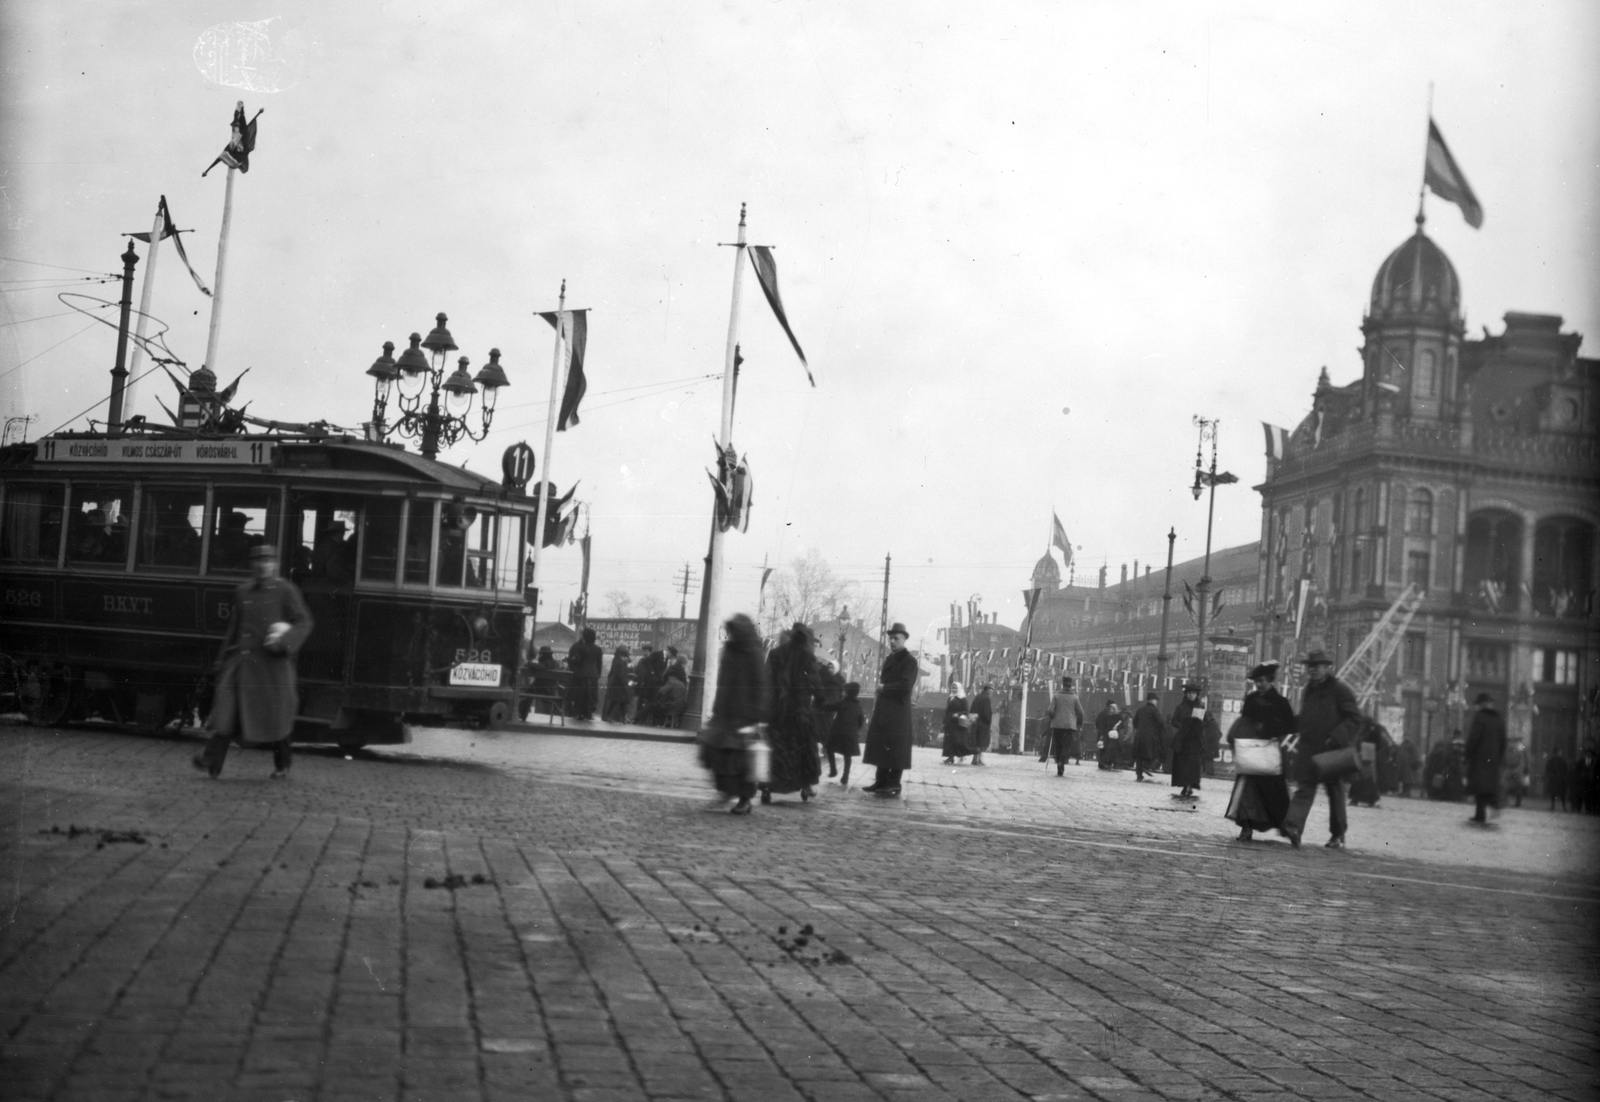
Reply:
x=1058, y=537
x=761, y=259
x=236, y=154
x=1277, y=440
x=169, y=230
x=1441, y=173
x=574, y=326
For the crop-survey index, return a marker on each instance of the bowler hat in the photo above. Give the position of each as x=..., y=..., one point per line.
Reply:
x=1317, y=658
x=1268, y=670
x=1191, y=686
x=1483, y=698
x=263, y=551
x=897, y=628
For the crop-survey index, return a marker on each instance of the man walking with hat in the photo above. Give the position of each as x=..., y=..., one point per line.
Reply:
x=1486, y=753
x=256, y=699
x=889, y=732
x=1329, y=720
x=1065, y=716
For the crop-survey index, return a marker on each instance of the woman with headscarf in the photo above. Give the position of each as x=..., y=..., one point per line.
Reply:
x=1188, y=741
x=617, y=688
x=740, y=704
x=1261, y=802
x=795, y=686
x=957, y=725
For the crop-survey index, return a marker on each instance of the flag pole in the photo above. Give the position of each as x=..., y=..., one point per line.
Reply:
x=556, y=365
x=130, y=391
x=1422, y=192
x=222, y=263
x=705, y=664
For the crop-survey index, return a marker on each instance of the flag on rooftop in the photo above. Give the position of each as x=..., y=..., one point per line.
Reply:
x=1058, y=536
x=1447, y=181
x=1277, y=441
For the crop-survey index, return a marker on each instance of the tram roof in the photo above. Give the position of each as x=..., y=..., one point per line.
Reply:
x=342, y=459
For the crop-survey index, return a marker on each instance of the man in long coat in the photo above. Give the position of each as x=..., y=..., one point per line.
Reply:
x=1065, y=717
x=1329, y=720
x=889, y=734
x=1486, y=755
x=1149, y=732
x=256, y=698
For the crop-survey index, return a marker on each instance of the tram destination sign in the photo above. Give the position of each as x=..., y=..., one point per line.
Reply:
x=158, y=453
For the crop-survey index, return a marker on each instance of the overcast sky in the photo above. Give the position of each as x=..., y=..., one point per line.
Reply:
x=984, y=217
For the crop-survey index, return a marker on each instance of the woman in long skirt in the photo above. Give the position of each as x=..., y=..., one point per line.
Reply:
x=796, y=683
x=957, y=725
x=740, y=705
x=1262, y=802
x=1188, y=743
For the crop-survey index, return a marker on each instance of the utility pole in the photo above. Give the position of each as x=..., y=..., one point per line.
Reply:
x=119, y=373
x=883, y=619
x=1166, y=607
x=683, y=580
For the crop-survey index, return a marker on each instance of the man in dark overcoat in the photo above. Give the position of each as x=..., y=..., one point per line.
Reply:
x=256, y=698
x=1485, y=757
x=889, y=733
x=1149, y=734
x=1329, y=720
x=982, y=720
x=649, y=673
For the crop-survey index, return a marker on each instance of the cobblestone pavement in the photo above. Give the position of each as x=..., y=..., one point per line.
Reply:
x=532, y=916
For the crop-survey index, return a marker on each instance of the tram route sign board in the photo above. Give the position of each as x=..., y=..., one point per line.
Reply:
x=242, y=452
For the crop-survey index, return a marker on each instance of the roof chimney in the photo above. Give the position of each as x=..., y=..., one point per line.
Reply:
x=1124, y=574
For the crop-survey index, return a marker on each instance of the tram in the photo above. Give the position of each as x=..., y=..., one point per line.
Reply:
x=119, y=555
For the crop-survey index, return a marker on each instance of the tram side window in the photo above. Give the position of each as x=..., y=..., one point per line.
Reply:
x=453, y=525
x=322, y=540
x=30, y=531
x=242, y=520
x=169, y=527
x=480, y=551
x=419, y=542
x=510, y=554
x=380, y=538
x=97, y=524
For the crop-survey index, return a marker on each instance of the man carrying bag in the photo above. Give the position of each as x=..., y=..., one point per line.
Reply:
x=1329, y=721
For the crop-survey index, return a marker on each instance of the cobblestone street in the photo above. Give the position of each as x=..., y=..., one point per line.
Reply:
x=520, y=915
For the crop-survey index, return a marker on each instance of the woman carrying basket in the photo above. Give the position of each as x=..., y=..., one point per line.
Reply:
x=1260, y=799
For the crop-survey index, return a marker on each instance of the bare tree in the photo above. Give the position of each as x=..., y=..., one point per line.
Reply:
x=808, y=590
x=619, y=604
x=652, y=607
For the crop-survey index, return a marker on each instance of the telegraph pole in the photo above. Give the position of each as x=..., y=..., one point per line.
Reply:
x=119, y=373
x=883, y=619
x=1166, y=607
x=684, y=579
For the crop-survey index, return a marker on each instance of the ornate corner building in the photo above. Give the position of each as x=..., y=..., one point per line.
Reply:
x=1469, y=469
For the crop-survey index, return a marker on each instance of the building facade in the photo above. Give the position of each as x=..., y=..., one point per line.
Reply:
x=1468, y=469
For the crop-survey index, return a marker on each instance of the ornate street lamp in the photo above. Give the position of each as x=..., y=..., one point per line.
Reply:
x=438, y=425
x=844, y=631
x=1208, y=430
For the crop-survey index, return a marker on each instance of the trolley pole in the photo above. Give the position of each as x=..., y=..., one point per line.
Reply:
x=1166, y=607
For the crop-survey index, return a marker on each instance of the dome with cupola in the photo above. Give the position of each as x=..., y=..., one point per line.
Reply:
x=1417, y=278
x=1046, y=574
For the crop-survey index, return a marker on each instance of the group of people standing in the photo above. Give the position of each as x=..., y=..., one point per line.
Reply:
x=967, y=724
x=655, y=689
x=777, y=713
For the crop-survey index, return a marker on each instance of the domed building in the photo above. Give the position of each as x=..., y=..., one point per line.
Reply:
x=1468, y=469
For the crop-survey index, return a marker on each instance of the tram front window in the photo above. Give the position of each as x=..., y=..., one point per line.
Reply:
x=30, y=531
x=380, y=538
x=453, y=525
x=239, y=523
x=419, y=542
x=510, y=556
x=322, y=540
x=97, y=525
x=169, y=527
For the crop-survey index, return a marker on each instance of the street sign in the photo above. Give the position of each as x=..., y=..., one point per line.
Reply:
x=517, y=466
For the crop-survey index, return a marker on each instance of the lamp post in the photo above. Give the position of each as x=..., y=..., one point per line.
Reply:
x=441, y=423
x=844, y=630
x=1208, y=430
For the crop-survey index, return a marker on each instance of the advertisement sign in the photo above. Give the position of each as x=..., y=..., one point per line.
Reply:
x=638, y=634
x=1229, y=662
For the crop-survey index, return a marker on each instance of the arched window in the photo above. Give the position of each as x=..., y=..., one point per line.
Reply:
x=1427, y=381
x=1357, y=509
x=1419, y=513
x=1563, y=561
x=1493, y=565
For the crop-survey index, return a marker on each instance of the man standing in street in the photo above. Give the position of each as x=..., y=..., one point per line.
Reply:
x=256, y=698
x=1486, y=755
x=1329, y=720
x=1107, y=737
x=1149, y=731
x=889, y=734
x=982, y=718
x=1065, y=717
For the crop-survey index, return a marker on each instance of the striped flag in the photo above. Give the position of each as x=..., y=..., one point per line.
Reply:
x=573, y=325
x=1444, y=177
x=1277, y=441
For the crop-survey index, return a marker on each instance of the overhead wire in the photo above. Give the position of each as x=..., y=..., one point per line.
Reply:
x=42, y=264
